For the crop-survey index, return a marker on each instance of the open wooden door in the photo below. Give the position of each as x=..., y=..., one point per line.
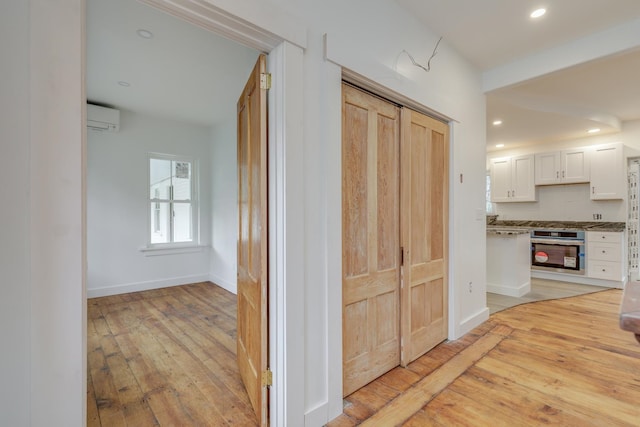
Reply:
x=425, y=202
x=252, y=331
x=370, y=237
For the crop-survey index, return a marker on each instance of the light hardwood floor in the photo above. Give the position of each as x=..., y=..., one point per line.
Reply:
x=561, y=362
x=165, y=357
x=541, y=289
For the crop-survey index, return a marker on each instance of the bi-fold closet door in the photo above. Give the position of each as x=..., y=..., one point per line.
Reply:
x=394, y=235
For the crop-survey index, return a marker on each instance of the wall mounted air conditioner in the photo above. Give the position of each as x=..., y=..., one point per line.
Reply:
x=102, y=118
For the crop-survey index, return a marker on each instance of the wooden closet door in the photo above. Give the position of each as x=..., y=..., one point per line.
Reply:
x=425, y=189
x=370, y=237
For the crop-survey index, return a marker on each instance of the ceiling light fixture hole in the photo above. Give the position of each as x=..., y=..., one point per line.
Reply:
x=145, y=34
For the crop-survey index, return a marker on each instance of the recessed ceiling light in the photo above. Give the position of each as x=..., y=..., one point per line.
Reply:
x=594, y=130
x=497, y=122
x=124, y=84
x=499, y=145
x=538, y=13
x=145, y=34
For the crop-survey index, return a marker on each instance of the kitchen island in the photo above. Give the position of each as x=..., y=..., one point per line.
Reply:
x=508, y=261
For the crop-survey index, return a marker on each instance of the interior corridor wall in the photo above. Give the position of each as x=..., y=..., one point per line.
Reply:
x=373, y=33
x=366, y=37
x=224, y=205
x=15, y=284
x=118, y=206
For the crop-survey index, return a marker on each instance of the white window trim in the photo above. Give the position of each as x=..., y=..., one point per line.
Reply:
x=154, y=249
x=159, y=249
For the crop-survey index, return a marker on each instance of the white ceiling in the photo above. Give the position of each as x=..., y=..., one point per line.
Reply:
x=184, y=72
x=557, y=106
x=201, y=83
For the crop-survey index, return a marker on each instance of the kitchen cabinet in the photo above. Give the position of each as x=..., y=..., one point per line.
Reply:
x=562, y=167
x=608, y=172
x=513, y=179
x=605, y=255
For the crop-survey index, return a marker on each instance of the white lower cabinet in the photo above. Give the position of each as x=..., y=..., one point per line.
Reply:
x=605, y=255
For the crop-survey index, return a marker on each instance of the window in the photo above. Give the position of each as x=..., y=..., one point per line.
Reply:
x=489, y=207
x=173, y=210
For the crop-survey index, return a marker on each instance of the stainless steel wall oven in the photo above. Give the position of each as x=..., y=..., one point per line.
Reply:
x=558, y=251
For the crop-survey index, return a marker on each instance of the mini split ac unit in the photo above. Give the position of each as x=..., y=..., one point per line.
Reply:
x=102, y=118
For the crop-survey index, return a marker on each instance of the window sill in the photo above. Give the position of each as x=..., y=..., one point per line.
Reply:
x=172, y=250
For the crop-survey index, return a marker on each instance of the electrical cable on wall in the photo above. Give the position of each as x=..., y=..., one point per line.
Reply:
x=413, y=61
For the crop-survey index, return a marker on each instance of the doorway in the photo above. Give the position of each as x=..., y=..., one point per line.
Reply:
x=395, y=227
x=282, y=55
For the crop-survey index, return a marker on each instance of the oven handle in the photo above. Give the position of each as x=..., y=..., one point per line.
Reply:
x=559, y=242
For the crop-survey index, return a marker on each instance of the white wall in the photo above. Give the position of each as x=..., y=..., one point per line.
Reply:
x=224, y=205
x=41, y=259
x=118, y=207
x=15, y=284
x=452, y=88
x=570, y=202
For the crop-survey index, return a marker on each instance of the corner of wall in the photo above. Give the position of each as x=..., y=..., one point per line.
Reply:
x=224, y=283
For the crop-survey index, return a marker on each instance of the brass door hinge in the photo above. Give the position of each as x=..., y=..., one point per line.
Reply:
x=267, y=378
x=265, y=80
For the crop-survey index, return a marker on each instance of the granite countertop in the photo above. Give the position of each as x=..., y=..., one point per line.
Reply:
x=630, y=309
x=507, y=231
x=561, y=225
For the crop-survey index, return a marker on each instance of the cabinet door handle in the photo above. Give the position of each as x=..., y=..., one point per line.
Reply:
x=563, y=174
x=557, y=174
x=593, y=190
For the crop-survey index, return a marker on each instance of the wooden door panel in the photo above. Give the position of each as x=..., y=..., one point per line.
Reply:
x=371, y=270
x=252, y=241
x=354, y=210
x=424, y=153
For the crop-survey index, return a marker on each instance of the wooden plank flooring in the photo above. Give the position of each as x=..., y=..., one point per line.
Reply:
x=165, y=357
x=560, y=362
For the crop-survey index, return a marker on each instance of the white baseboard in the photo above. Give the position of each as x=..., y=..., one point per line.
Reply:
x=224, y=283
x=317, y=416
x=145, y=286
x=575, y=278
x=471, y=322
x=519, y=291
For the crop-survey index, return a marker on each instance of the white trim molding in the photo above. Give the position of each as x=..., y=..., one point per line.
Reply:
x=263, y=25
x=145, y=286
x=467, y=325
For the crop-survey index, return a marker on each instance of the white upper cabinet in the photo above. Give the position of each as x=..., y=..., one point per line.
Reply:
x=562, y=167
x=512, y=179
x=608, y=172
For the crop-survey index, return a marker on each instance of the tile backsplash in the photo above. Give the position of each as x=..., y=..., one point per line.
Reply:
x=563, y=202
